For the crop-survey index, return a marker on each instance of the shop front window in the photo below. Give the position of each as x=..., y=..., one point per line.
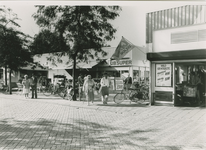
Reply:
x=136, y=75
x=190, y=83
x=188, y=73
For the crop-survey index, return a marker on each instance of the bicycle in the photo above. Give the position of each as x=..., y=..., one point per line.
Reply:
x=3, y=88
x=50, y=90
x=135, y=95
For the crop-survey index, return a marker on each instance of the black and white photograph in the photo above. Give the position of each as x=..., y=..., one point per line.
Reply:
x=103, y=75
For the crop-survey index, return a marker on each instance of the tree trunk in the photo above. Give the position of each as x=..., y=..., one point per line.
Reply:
x=74, y=77
x=5, y=75
x=10, y=88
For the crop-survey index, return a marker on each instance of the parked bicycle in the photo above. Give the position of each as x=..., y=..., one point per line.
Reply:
x=3, y=88
x=51, y=90
x=135, y=94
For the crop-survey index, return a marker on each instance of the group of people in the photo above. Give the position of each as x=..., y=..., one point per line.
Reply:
x=87, y=85
x=29, y=83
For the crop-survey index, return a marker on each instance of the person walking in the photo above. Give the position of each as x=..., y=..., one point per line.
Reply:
x=88, y=88
x=80, y=82
x=85, y=77
x=104, y=89
x=26, y=86
x=33, y=84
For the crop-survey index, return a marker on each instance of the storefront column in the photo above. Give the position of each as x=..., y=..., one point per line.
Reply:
x=151, y=102
x=131, y=71
x=174, y=78
x=145, y=75
x=132, y=74
x=139, y=74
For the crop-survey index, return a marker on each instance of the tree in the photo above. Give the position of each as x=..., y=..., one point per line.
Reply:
x=13, y=45
x=46, y=42
x=80, y=28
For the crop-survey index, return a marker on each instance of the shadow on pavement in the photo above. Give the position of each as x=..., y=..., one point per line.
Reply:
x=79, y=134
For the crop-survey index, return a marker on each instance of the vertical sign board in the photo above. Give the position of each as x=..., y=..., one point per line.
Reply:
x=163, y=76
x=112, y=87
x=119, y=84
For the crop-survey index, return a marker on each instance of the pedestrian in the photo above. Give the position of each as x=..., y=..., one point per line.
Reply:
x=104, y=89
x=33, y=84
x=80, y=82
x=26, y=86
x=88, y=88
x=56, y=86
x=85, y=77
x=69, y=90
x=128, y=82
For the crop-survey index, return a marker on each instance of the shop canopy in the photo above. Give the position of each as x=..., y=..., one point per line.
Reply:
x=65, y=63
x=177, y=55
x=82, y=65
x=35, y=67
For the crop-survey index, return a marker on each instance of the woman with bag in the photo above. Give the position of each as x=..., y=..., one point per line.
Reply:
x=88, y=88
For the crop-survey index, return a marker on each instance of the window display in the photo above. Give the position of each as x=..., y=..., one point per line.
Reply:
x=119, y=84
x=190, y=83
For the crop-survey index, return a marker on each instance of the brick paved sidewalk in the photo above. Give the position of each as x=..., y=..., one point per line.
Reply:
x=54, y=123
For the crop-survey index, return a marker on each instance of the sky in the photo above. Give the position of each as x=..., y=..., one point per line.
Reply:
x=131, y=23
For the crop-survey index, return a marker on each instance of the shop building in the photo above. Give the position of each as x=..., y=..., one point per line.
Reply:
x=133, y=63
x=176, y=44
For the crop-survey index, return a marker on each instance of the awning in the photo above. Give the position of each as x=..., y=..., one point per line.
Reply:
x=177, y=55
x=81, y=65
x=35, y=68
x=87, y=65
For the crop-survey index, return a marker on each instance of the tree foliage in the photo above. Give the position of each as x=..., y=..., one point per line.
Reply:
x=13, y=43
x=48, y=42
x=12, y=53
x=80, y=27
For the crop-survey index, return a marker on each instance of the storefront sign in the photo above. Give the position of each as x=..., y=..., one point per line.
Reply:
x=112, y=85
x=121, y=62
x=163, y=75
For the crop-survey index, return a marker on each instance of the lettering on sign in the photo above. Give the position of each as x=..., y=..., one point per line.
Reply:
x=120, y=62
x=164, y=75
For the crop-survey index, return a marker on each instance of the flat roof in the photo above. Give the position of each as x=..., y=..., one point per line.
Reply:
x=177, y=55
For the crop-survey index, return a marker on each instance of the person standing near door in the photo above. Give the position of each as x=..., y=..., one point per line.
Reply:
x=33, y=83
x=128, y=82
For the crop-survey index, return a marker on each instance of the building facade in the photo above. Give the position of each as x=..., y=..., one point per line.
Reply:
x=133, y=63
x=176, y=44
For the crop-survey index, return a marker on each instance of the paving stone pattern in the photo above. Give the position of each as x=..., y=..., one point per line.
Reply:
x=53, y=123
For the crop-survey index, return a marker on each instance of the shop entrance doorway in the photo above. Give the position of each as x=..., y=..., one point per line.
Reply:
x=190, y=83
